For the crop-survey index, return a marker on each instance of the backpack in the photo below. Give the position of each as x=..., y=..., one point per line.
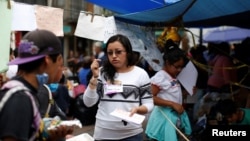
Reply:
x=47, y=105
x=10, y=88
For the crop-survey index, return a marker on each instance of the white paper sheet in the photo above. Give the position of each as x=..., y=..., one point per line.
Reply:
x=50, y=18
x=90, y=26
x=110, y=28
x=188, y=77
x=136, y=118
x=23, y=17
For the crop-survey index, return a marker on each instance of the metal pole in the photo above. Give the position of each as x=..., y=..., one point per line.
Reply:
x=201, y=36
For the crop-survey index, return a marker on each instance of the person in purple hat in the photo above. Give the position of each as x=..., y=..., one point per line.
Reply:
x=39, y=61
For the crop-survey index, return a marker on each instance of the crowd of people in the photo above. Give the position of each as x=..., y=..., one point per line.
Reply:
x=114, y=78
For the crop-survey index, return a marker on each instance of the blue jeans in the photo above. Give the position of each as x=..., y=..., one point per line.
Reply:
x=138, y=137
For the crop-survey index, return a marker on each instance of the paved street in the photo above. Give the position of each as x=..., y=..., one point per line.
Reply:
x=90, y=130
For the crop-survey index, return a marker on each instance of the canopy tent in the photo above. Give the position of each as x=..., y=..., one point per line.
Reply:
x=158, y=16
x=212, y=13
x=130, y=6
x=201, y=13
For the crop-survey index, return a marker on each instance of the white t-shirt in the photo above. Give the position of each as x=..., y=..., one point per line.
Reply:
x=170, y=88
x=135, y=86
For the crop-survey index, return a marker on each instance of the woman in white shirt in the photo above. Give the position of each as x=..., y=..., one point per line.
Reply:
x=118, y=84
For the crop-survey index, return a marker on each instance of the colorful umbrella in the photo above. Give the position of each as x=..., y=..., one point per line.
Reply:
x=226, y=34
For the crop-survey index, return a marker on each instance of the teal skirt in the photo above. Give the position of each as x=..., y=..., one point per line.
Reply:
x=160, y=128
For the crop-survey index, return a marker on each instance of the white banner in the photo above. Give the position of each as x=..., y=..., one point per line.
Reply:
x=50, y=18
x=23, y=17
x=110, y=28
x=90, y=26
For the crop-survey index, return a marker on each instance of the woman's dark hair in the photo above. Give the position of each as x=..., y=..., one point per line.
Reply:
x=108, y=69
x=173, y=53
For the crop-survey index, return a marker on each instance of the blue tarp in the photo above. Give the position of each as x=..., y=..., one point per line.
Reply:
x=158, y=16
x=131, y=6
x=202, y=13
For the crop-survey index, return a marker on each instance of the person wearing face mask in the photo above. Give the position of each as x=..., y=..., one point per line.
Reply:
x=39, y=60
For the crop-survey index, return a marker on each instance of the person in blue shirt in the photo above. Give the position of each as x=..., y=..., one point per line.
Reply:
x=84, y=72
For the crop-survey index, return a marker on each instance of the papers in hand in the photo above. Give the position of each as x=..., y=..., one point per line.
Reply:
x=136, y=118
x=75, y=123
x=190, y=81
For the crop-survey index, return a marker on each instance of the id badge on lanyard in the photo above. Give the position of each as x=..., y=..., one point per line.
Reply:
x=117, y=87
